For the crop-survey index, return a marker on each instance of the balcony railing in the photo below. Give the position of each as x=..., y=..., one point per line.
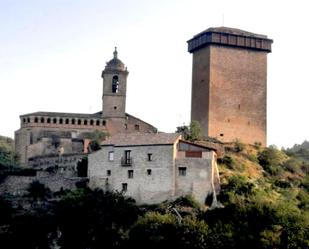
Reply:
x=126, y=161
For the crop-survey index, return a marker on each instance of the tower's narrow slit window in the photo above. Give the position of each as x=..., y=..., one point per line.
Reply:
x=115, y=84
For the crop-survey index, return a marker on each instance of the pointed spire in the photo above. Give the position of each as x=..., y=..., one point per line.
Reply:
x=115, y=53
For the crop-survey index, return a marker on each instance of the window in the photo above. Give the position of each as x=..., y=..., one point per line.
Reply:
x=42, y=120
x=182, y=171
x=124, y=186
x=73, y=121
x=36, y=120
x=127, y=156
x=108, y=172
x=221, y=134
x=104, y=123
x=54, y=120
x=111, y=156
x=48, y=120
x=148, y=172
x=79, y=122
x=85, y=122
x=28, y=120
x=130, y=173
x=149, y=156
x=67, y=121
x=126, y=126
x=126, y=160
x=115, y=84
x=91, y=122
x=136, y=127
x=98, y=122
x=60, y=121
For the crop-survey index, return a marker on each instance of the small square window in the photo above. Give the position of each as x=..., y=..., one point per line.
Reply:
x=111, y=156
x=108, y=172
x=124, y=186
x=149, y=156
x=149, y=172
x=182, y=171
x=130, y=173
x=136, y=127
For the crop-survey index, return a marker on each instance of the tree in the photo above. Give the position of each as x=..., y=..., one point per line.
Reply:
x=192, y=132
x=37, y=190
x=96, y=137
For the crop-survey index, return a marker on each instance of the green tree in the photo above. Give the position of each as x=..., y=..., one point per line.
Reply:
x=96, y=137
x=192, y=132
x=37, y=190
x=272, y=159
x=94, y=219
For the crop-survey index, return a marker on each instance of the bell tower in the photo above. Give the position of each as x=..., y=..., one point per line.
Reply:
x=114, y=88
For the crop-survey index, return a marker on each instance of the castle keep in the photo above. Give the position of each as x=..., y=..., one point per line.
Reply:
x=229, y=75
x=43, y=136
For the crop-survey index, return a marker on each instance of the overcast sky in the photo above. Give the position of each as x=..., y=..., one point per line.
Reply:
x=52, y=53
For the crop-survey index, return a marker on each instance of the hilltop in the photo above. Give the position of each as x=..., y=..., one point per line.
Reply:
x=263, y=203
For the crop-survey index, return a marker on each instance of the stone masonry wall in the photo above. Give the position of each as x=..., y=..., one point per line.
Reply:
x=144, y=188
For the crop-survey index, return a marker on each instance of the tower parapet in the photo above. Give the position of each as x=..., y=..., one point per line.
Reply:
x=230, y=37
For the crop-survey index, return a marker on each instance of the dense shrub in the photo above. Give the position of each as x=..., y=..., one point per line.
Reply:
x=272, y=159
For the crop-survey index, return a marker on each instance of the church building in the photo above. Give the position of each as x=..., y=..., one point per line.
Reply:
x=46, y=135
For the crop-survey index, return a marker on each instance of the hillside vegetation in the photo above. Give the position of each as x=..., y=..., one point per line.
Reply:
x=7, y=153
x=264, y=197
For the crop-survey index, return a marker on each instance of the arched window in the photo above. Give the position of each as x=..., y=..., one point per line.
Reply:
x=36, y=120
x=98, y=122
x=79, y=122
x=28, y=120
x=54, y=120
x=60, y=121
x=85, y=122
x=115, y=84
x=73, y=121
x=91, y=122
x=67, y=121
x=42, y=120
x=48, y=120
x=104, y=123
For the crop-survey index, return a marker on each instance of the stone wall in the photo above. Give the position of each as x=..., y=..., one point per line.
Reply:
x=198, y=179
x=56, y=181
x=145, y=187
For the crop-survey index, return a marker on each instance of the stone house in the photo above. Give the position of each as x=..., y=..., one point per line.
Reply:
x=153, y=168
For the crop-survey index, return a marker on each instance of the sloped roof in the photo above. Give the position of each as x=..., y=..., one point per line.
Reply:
x=233, y=31
x=64, y=114
x=136, y=139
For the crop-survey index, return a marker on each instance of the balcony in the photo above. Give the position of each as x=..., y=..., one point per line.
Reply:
x=126, y=161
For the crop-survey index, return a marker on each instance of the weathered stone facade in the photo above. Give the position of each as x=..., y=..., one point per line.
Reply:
x=153, y=168
x=50, y=134
x=229, y=89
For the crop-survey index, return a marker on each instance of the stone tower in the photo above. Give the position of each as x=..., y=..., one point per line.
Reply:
x=229, y=84
x=114, y=88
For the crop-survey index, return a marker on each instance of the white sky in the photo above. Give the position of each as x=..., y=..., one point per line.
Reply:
x=52, y=53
